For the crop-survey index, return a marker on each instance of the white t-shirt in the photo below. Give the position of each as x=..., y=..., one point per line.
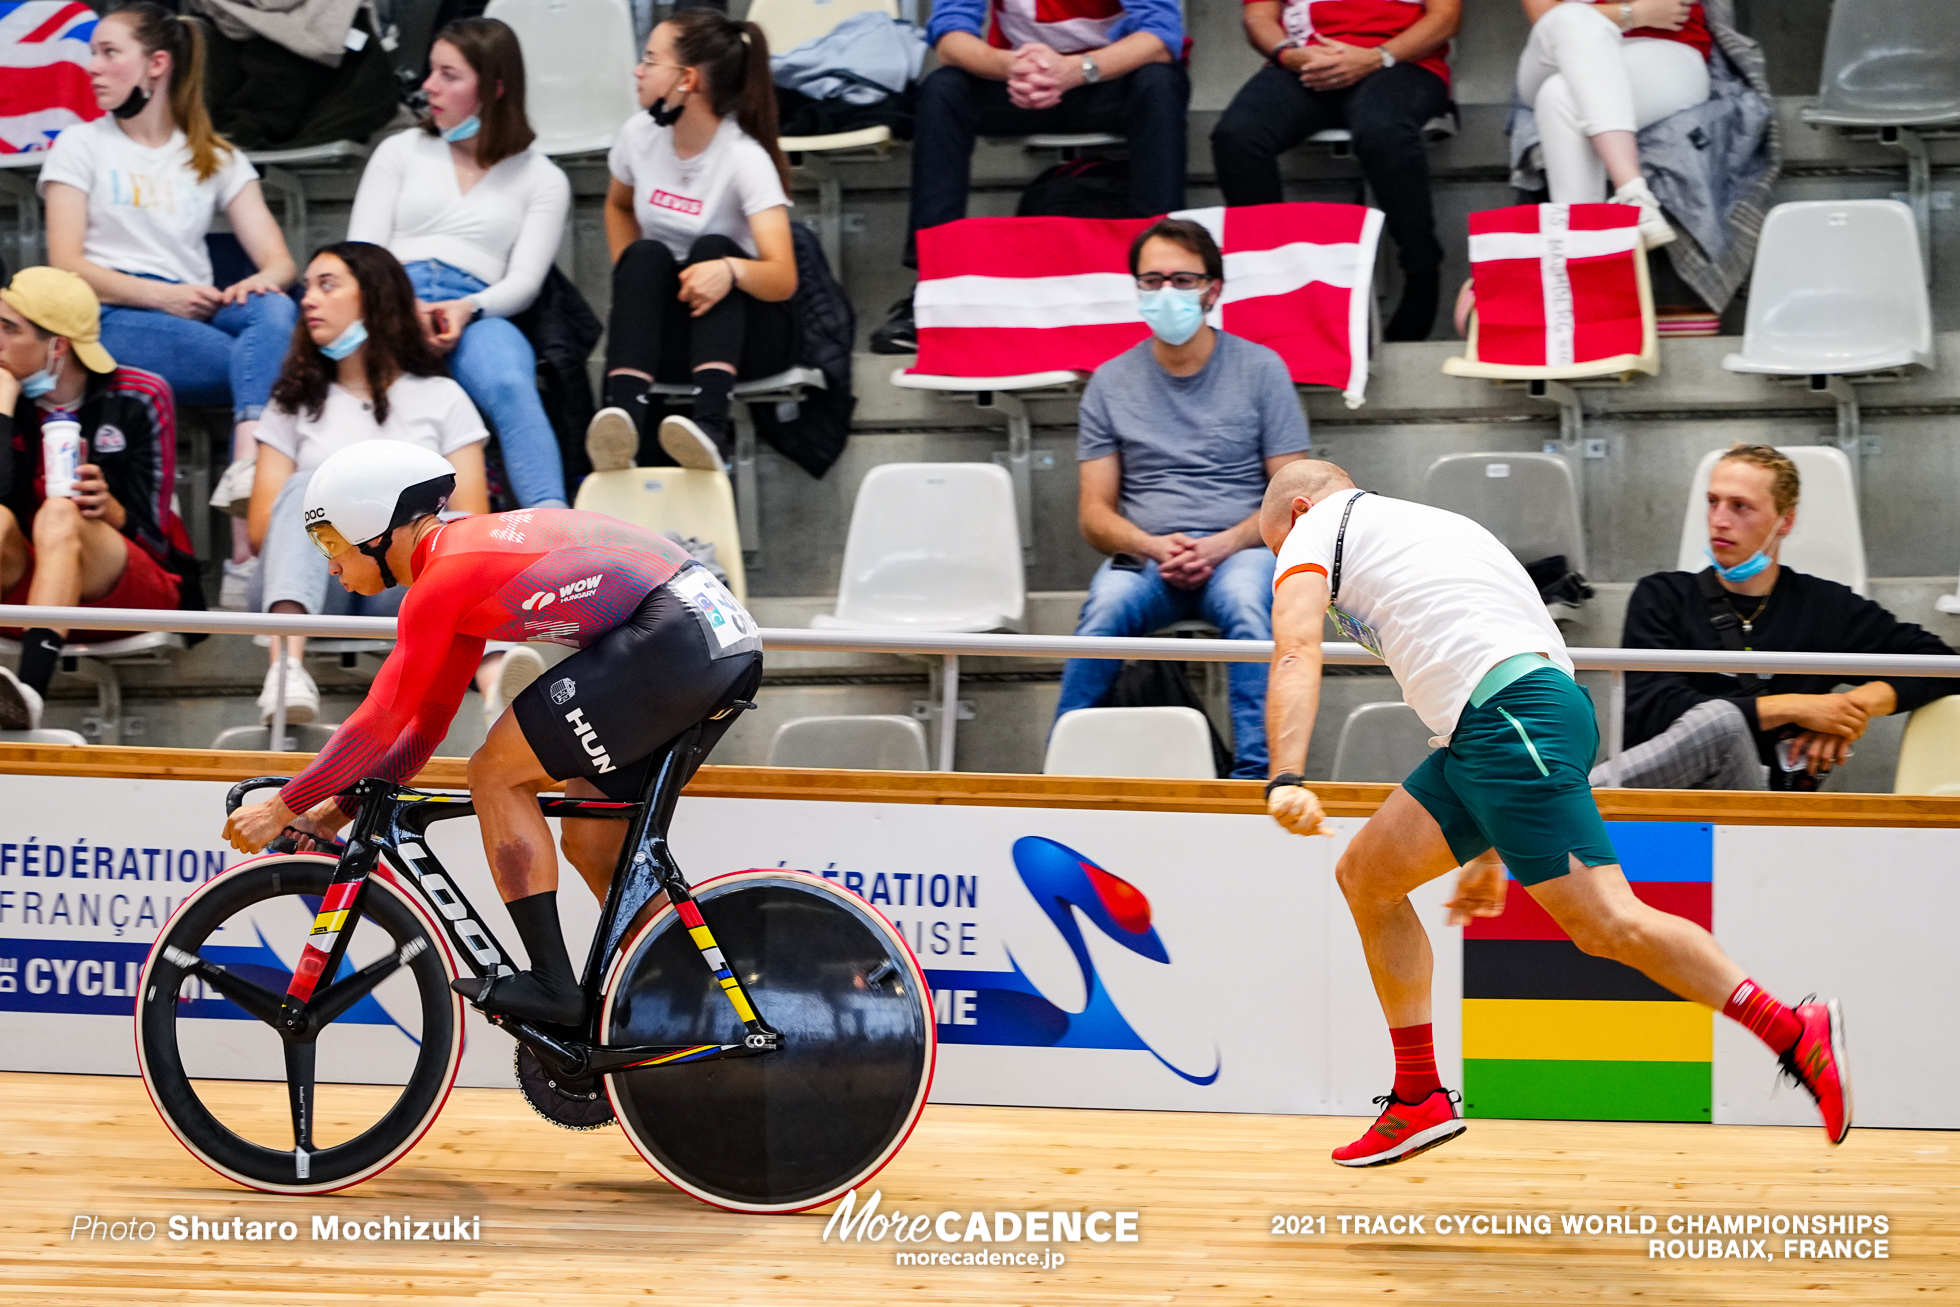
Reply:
x=1433, y=593
x=504, y=232
x=432, y=412
x=713, y=194
x=147, y=211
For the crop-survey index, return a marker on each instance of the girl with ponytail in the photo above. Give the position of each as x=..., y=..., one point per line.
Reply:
x=697, y=219
x=130, y=197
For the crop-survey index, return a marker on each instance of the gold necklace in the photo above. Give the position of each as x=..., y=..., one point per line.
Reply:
x=1749, y=622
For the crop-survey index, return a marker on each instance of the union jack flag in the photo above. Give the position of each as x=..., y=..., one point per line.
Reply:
x=44, y=83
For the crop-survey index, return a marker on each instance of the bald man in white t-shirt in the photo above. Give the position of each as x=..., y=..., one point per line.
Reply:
x=1461, y=626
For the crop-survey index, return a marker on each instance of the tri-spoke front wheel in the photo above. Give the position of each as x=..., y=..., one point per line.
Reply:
x=316, y=1109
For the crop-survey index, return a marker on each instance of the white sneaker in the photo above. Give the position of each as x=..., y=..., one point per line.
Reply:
x=687, y=444
x=235, y=592
x=234, y=492
x=1654, y=231
x=302, y=696
x=521, y=666
x=612, y=441
x=20, y=705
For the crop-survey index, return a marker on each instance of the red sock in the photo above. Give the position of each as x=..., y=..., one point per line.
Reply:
x=1415, y=1063
x=1766, y=1018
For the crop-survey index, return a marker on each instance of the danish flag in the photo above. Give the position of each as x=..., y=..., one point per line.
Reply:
x=1556, y=283
x=44, y=83
x=1002, y=297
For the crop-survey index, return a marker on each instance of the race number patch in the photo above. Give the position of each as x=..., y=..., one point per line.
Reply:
x=727, y=621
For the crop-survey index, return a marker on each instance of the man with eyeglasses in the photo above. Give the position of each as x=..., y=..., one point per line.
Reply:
x=1179, y=436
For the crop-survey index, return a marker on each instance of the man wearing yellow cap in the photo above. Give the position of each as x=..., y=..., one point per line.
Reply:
x=110, y=538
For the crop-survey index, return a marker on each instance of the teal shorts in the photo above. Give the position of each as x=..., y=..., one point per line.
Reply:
x=1514, y=777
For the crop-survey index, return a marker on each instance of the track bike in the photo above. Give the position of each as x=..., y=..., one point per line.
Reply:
x=766, y=1040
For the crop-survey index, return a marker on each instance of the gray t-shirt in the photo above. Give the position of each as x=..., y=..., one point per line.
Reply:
x=1193, y=448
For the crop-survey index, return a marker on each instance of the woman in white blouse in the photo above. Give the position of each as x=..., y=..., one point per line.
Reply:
x=475, y=216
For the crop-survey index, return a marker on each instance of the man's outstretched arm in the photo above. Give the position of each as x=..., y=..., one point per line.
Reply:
x=1293, y=695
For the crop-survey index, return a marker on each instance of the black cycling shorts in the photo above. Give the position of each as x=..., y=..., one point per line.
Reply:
x=685, y=653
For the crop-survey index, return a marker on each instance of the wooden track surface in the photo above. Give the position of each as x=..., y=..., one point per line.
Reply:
x=1016, y=790
x=579, y=1219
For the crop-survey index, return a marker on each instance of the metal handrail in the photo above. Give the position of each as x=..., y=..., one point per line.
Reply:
x=784, y=639
x=953, y=647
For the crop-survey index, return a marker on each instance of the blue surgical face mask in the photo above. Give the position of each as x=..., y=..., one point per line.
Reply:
x=462, y=131
x=1742, y=571
x=1174, y=315
x=45, y=380
x=347, y=341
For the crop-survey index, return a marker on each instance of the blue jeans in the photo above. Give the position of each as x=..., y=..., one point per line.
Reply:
x=1238, y=600
x=232, y=359
x=497, y=368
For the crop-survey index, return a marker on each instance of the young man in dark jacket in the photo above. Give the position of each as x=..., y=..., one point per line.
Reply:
x=115, y=540
x=1716, y=731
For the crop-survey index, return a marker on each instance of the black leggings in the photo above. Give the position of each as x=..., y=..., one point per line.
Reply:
x=653, y=331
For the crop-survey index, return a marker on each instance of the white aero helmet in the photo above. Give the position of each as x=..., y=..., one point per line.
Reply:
x=357, y=498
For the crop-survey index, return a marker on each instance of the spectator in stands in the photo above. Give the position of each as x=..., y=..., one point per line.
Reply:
x=1716, y=731
x=360, y=368
x=130, y=197
x=1179, y=436
x=1595, y=74
x=1008, y=68
x=1379, y=70
x=111, y=541
x=697, y=219
x=475, y=215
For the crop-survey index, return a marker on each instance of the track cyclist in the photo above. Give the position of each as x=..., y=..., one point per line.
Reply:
x=1463, y=629
x=662, y=646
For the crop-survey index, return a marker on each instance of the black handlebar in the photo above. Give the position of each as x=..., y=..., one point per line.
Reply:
x=235, y=797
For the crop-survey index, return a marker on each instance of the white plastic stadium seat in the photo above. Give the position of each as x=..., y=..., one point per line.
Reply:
x=932, y=547
x=1889, y=63
x=1380, y=743
x=1838, y=288
x=1827, y=541
x=578, y=69
x=46, y=735
x=1929, y=756
x=872, y=743
x=1166, y=742
x=97, y=660
x=1528, y=501
x=1341, y=140
x=692, y=502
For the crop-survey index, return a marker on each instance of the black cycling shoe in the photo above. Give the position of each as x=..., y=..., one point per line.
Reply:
x=522, y=996
x=898, y=333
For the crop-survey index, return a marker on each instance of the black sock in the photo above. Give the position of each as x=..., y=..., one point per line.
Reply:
x=548, y=991
x=714, y=387
x=630, y=393
x=40, y=650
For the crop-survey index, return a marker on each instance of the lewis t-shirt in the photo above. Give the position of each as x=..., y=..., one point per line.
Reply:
x=715, y=193
x=147, y=211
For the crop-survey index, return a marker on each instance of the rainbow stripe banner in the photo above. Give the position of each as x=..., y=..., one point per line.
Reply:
x=1550, y=1033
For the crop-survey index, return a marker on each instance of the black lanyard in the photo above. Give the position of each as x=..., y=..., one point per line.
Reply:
x=1340, y=542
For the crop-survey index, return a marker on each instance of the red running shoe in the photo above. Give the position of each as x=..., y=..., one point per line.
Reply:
x=1819, y=1062
x=1402, y=1130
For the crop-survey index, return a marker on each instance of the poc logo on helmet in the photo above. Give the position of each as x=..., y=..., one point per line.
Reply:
x=316, y=515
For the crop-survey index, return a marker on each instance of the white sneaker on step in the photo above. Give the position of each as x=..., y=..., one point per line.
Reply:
x=690, y=446
x=521, y=666
x=1654, y=229
x=234, y=491
x=302, y=695
x=20, y=705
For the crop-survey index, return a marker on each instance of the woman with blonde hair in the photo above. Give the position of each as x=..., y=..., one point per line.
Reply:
x=130, y=198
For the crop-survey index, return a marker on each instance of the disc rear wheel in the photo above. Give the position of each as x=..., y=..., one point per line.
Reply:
x=795, y=1128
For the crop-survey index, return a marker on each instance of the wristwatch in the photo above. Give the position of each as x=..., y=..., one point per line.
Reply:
x=1277, y=55
x=1626, y=16
x=1283, y=780
x=1091, y=70
x=1388, y=60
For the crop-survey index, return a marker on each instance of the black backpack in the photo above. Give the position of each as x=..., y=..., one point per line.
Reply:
x=1163, y=685
x=1079, y=188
